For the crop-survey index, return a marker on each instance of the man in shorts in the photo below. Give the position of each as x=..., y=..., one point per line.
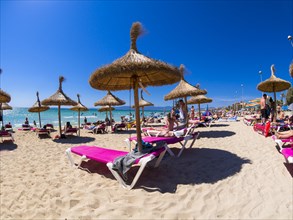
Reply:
x=263, y=108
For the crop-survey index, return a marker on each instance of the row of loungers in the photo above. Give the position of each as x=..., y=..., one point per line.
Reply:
x=156, y=148
x=285, y=145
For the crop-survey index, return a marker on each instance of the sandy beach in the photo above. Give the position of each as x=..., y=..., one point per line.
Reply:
x=231, y=172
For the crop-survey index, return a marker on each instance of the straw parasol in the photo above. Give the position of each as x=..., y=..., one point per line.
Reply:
x=4, y=106
x=291, y=70
x=4, y=97
x=199, y=99
x=37, y=107
x=134, y=70
x=110, y=100
x=142, y=103
x=183, y=89
x=59, y=98
x=273, y=84
x=79, y=107
x=106, y=108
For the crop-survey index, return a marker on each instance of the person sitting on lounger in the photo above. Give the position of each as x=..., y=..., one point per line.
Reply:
x=284, y=134
x=170, y=121
x=280, y=115
x=67, y=126
x=26, y=122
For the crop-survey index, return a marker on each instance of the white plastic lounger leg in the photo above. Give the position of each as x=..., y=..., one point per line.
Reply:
x=128, y=143
x=182, y=148
x=143, y=162
x=161, y=156
x=170, y=151
x=68, y=153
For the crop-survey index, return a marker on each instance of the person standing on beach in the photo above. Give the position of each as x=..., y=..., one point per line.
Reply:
x=182, y=112
x=272, y=108
x=263, y=108
x=192, y=112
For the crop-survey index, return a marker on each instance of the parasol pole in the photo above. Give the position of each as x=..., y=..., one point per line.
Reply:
x=1, y=112
x=39, y=104
x=137, y=118
x=142, y=111
x=79, y=122
x=199, y=111
x=186, y=110
x=59, y=119
x=275, y=98
x=110, y=117
x=39, y=113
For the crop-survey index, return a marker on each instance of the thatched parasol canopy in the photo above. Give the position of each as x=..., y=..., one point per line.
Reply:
x=59, y=98
x=110, y=100
x=291, y=70
x=4, y=97
x=183, y=89
x=37, y=107
x=79, y=107
x=199, y=99
x=106, y=108
x=5, y=106
x=142, y=103
x=273, y=84
x=134, y=70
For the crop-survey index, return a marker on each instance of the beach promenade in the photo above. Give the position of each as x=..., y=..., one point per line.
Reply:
x=231, y=172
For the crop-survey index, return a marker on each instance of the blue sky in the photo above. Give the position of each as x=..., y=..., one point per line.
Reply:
x=222, y=44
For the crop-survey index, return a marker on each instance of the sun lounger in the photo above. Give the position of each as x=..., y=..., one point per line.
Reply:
x=25, y=127
x=71, y=131
x=42, y=131
x=282, y=142
x=288, y=154
x=107, y=156
x=5, y=134
x=189, y=135
x=8, y=127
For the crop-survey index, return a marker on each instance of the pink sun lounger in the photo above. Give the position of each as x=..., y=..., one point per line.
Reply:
x=107, y=156
x=288, y=154
x=282, y=142
x=167, y=140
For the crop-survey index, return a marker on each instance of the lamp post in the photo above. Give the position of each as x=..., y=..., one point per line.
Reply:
x=242, y=95
x=260, y=73
x=290, y=38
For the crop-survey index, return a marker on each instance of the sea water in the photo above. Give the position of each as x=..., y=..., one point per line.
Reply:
x=17, y=116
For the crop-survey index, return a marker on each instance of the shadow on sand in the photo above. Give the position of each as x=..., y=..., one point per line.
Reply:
x=195, y=166
x=74, y=140
x=7, y=145
x=220, y=125
x=215, y=134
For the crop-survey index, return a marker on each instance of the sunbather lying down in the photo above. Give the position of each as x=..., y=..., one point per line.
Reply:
x=284, y=134
x=167, y=131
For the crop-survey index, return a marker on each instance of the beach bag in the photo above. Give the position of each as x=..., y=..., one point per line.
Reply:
x=267, y=129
